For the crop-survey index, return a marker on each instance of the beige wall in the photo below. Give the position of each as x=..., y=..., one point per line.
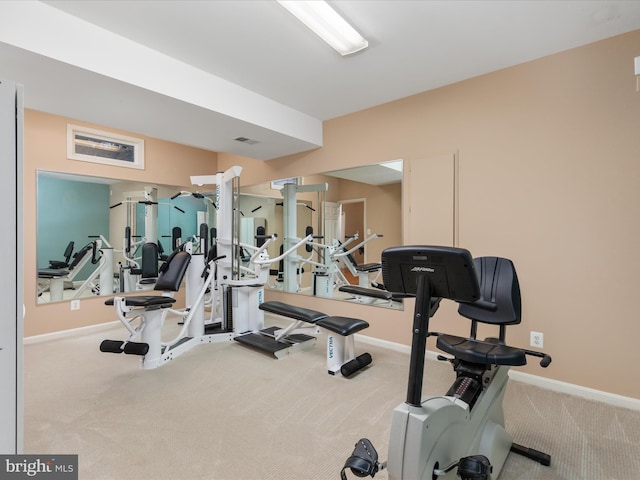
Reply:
x=548, y=175
x=45, y=148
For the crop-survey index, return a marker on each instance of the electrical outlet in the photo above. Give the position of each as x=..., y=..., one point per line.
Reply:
x=75, y=304
x=537, y=340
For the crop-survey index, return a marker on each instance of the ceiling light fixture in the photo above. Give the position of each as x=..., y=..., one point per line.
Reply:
x=325, y=22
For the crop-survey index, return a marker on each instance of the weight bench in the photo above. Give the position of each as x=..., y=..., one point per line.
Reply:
x=301, y=315
x=340, y=343
x=281, y=342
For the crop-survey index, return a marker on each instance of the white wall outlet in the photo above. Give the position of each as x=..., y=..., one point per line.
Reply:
x=75, y=304
x=537, y=340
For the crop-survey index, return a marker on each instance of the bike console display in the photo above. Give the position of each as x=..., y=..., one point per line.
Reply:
x=450, y=271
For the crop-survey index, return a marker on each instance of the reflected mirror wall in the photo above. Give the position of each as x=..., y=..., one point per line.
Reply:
x=364, y=201
x=81, y=209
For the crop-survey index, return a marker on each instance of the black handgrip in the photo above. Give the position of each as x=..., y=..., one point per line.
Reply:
x=546, y=359
x=176, y=195
x=116, y=205
x=179, y=209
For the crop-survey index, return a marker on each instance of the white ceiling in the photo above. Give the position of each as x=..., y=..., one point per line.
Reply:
x=203, y=73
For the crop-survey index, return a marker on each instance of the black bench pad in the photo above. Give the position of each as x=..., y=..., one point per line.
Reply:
x=483, y=353
x=368, y=267
x=374, y=293
x=366, y=292
x=342, y=325
x=290, y=311
x=145, y=301
x=52, y=273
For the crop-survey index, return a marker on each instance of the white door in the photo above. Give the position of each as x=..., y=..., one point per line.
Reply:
x=11, y=332
x=332, y=222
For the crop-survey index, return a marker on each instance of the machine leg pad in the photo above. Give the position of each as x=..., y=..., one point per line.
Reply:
x=136, y=348
x=111, y=346
x=356, y=364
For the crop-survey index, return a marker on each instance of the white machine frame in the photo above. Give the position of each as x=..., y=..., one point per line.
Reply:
x=229, y=292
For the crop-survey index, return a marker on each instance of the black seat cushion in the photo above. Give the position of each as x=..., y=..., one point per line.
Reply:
x=342, y=325
x=481, y=352
x=291, y=311
x=51, y=273
x=368, y=267
x=366, y=292
x=157, y=301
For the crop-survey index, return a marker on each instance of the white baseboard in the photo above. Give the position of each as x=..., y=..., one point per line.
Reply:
x=577, y=390
x=45, y=337
x=542, y=382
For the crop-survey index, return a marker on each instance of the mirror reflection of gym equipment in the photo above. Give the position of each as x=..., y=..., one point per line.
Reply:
x=87, y=218
x=75, y=196
x=330, y=264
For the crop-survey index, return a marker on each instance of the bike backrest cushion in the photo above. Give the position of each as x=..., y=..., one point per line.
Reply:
x=499, y=301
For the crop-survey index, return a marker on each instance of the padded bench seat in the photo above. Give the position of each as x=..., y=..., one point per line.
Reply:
x=344, y=326
x=291, y=311
x=366, y=292
x=52, y=273
x=373, y=293
x=481, y=352
x=146, y=301
x=368, y=267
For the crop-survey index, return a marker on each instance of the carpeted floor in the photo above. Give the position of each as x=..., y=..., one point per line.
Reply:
x=226, y=412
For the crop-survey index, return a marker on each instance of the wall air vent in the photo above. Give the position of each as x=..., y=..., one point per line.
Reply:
x=246, y=140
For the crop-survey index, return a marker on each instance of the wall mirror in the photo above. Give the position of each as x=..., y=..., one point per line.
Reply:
x=76, y=213
x=353, y=214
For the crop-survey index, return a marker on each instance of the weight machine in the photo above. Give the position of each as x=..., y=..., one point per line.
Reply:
x=235, y=297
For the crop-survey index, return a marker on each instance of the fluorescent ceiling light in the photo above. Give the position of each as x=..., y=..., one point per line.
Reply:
x=325, y=22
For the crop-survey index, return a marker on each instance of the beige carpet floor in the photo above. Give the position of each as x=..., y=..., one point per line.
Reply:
x=226, y=412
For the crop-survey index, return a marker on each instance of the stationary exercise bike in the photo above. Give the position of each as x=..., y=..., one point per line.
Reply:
x=462, y=432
